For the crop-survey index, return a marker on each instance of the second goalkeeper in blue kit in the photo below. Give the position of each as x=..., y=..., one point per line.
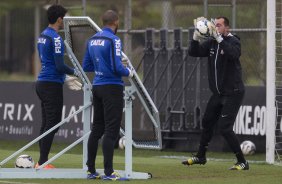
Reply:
x=104, y=57
x=49, y=84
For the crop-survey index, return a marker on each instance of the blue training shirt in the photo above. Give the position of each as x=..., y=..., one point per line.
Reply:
x=51, y=52
x=103, y=56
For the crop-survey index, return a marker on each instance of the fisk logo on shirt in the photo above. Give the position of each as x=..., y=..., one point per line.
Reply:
x=118, y=47
x=58, y=45
x=41, y=40
x=97, y=42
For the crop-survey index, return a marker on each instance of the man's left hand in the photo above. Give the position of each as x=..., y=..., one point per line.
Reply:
x=130, y=70
x=214, y=32
x=73, y=83
x=124, y=62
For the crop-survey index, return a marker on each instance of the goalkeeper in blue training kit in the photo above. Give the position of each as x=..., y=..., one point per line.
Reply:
x=49, y=85
x=103, y=56
x=225, y=81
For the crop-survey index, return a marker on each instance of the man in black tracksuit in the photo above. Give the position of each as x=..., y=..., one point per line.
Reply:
x=225, y=81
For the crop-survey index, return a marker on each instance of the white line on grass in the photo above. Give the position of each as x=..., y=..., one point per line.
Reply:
x=14, y=182
x=211, y=159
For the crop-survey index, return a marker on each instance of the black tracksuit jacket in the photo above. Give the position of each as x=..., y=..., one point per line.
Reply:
x=224, y=68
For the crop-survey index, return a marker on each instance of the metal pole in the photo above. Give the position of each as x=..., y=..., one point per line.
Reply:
x=84, y=7
x=166, y=14
x=270, y=82
x=86, y=120
x=128, y=26
x=205, y=8
x=128, y=132
x=234, y=14
x=262, y=39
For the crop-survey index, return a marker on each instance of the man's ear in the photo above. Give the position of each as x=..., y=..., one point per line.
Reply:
x=116, y=23
x=59, y=19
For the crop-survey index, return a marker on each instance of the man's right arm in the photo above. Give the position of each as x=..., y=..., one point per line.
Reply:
x=87, y=63
x=58, y=47
x=117, y=65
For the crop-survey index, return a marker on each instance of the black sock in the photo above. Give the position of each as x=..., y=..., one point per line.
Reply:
x=240, y=157
x=91, y=170
x=202, y=151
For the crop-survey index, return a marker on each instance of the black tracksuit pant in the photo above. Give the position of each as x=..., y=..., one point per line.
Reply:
x=108, y=107
x=221, y=109
x=51, y=97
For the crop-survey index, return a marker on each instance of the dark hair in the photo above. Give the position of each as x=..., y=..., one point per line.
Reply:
x=109, y=17
x=226, y=20
x=54, y=12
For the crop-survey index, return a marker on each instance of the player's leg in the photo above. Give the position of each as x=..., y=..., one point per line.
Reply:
x=43, y=124
x=231, y=105
x=96, y=133
x=209, y=120
x=113, y=107
x=51, y=95
x=43, y=113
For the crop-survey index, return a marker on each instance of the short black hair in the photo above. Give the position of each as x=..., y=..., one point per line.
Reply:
x=226, y=20
x=54, y=12
x=109, y=17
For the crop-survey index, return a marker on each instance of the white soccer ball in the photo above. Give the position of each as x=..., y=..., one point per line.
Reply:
x=248, y=147
x=121, y=142
x=24, y=161
x=203, y=28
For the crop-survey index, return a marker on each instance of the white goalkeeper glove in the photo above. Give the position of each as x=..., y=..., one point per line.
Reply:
x=73, y=83
x=198, y=19
x=130, y=70
x=197, y=35
x=214, y=32
x=125, y=64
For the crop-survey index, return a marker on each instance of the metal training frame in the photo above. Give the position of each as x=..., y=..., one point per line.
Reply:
x=136, y=87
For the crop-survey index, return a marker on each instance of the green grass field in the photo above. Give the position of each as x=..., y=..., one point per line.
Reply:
x=165, y=166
